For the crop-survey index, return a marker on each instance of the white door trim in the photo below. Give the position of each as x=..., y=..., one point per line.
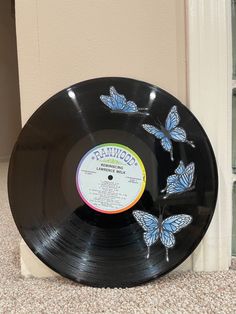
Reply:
x=209, y=52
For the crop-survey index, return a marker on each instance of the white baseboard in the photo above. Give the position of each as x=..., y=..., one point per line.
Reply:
x=31, y=266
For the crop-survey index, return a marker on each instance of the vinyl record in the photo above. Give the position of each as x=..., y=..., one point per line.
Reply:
x=112, y=182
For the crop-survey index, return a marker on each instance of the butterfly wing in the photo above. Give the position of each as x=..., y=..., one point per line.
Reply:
x=176, y=222
x=150, y=225
x=118, y=102
x=130, y=107
x=121, y=102
x=114, y=101
x=167, y=238
x=166, y=144
x=118, y=99
x=172, y=179
x=181, y=168
x=153, y=130
x=147, y=221
x=109, y=102
x=175, y=187
x=151, y=237
x=186, y=178
x=183, y=179
x=178, y=134
x=172, y=119
x=173, y=225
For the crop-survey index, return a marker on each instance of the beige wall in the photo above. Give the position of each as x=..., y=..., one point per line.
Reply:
x=9, y=93
x=61, y=42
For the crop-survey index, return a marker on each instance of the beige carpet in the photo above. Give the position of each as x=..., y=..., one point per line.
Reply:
x=176, y=293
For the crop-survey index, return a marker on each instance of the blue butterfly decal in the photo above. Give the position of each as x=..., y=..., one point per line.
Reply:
x=118, y=102
x=181, y=181
x=171, y=131
x=156, y=228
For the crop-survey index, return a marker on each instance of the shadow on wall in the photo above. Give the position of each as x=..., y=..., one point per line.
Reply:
x=10, y=121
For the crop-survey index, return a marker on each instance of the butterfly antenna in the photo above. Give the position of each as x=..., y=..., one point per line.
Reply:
x=162, y=191
x=143, y=111
x=158, y=123
x=148, y=252
x=167, y=255
x=163, y=209
x=191, y=143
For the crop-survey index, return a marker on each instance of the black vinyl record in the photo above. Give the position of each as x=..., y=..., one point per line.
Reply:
x=112, y=182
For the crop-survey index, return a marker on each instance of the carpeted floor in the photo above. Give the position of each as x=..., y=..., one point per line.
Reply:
x=175, y=293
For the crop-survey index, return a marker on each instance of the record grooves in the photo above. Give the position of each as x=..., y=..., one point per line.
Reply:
x=112, y=182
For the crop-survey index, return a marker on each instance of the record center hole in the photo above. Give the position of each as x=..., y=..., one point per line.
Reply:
x=110, y=177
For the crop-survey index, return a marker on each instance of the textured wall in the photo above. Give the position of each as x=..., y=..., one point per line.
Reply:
x=61, y=42
x=9, y=92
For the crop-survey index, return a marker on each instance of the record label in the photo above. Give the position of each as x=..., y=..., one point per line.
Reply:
x=110, y=178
